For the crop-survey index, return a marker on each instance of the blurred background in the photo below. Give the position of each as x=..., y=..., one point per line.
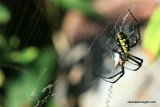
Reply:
x=49, y=49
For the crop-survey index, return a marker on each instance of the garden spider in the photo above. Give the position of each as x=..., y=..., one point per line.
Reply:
x=122, y=55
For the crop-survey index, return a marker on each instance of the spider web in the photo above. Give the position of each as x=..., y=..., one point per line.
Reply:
x=105, y=64
x=29, y=29
x=108, y=42
x=100, y=48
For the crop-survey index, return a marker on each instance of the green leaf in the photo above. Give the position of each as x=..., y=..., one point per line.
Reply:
x=151, y=41
x=82, y=5
x=25, y=56
x=5, y=15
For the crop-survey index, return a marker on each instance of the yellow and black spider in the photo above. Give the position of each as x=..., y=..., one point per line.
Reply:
x=122, y=54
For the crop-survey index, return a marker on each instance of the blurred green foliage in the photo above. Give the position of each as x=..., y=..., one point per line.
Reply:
x=36, y=72
x=25, y=56
x=27, y=89
x=2, y=78
x=14, y=41
x=24, y=71
x=3, y=42
x=82, y=5
x=151, y=40
x=5, y=15
x=52, y=104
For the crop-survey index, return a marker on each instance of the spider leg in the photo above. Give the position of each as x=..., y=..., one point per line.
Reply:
x=136, y=23
x=133, y=44
x=132, y=62
x=137, y=60
x=141, y=60
x=116, y=51
x=139, y=34
x=121, y=73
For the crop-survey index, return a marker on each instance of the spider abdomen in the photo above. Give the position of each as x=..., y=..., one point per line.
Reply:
x=122, y=42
